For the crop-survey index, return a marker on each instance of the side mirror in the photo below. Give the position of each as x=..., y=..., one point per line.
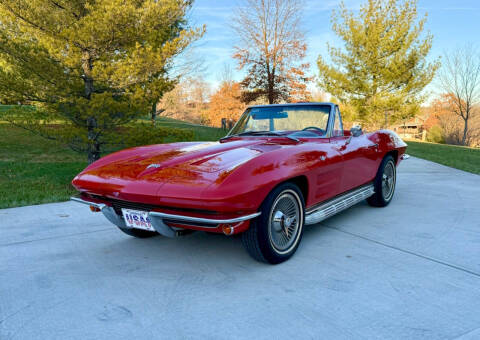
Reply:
x=356, y=131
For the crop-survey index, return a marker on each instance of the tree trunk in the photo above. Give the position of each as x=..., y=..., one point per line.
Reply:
x=87, y=73
x=465, y=131
x=93, y=149
x=271, y=96
x=153, y=113
x=271, y=85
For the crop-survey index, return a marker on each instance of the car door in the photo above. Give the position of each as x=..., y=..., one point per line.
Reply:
x=326, y=175
x=359, y=156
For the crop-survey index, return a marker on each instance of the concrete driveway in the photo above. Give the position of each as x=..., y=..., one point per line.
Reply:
x=408, y=271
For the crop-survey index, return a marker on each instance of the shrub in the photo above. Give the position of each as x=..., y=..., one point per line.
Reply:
x=435, y=135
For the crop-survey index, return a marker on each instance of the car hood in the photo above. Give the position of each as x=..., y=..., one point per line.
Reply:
x=141, y=173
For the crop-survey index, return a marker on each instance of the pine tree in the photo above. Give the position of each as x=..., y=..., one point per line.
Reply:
x=382, y=69
x=88, y=66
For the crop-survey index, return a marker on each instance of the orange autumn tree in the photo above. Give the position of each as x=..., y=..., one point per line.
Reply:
x=445, y=115
x=226, y=103
x=271, y=46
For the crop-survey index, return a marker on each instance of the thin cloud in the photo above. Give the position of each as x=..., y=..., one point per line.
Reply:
x=459, y=8
x=327, y=6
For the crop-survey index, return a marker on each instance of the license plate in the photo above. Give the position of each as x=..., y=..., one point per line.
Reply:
x=137, y=219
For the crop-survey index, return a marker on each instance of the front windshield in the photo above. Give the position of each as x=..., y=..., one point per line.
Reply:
x=283, y=118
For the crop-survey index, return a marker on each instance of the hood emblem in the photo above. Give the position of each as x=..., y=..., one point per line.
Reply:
x=154, y=165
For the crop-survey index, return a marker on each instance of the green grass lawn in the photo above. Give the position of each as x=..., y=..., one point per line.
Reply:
x=463, y=158
x=34, y=170
x=4, y=108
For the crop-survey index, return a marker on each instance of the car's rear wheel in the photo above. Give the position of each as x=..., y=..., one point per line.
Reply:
x=139, y=232
x=384, y=183
x=274, y=236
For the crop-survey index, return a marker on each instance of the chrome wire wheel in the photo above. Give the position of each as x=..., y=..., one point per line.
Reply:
x=275, y=235
x=285, y=222
x=388, y=181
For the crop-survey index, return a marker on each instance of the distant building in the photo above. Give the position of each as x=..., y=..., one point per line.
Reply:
x=413, y=128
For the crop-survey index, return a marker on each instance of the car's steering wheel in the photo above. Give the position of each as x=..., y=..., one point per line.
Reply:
x=314, y=128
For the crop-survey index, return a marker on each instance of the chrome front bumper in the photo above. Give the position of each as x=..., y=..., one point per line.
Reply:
x=157, y=218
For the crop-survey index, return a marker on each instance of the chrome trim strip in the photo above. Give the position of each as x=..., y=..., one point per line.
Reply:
x=96, y=205
x=334, y=206
x=203, y=220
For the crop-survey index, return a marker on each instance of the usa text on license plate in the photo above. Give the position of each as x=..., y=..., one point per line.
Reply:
x=137, y=219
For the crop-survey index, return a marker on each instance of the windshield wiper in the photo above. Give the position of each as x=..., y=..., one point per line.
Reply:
x=246, y=133
x=275, y=133
x=257, y=133
x=261, y=132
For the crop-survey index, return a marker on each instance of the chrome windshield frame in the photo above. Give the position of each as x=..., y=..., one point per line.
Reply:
x=330, y=121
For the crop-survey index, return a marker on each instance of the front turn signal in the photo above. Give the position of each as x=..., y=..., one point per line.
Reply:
x=95, y=209
x=227, y=229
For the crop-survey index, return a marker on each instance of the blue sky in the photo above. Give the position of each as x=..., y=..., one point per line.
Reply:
x=452, y=22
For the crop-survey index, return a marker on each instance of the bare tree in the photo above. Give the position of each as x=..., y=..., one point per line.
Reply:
x=460, y=78
x=226, y=74
x=188, y=66
x=187, y=101
x=272, y=46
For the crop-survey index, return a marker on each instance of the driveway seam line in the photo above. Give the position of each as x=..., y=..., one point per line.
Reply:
x=425, y=257
x=54, y=237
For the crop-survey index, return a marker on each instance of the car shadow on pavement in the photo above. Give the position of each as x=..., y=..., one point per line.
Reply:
x=197, y=250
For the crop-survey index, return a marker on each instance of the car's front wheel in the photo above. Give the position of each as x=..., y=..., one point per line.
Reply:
x=274, y=236
x=384, y=183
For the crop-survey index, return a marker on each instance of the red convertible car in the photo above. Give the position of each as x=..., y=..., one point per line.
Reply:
x=281, y=167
